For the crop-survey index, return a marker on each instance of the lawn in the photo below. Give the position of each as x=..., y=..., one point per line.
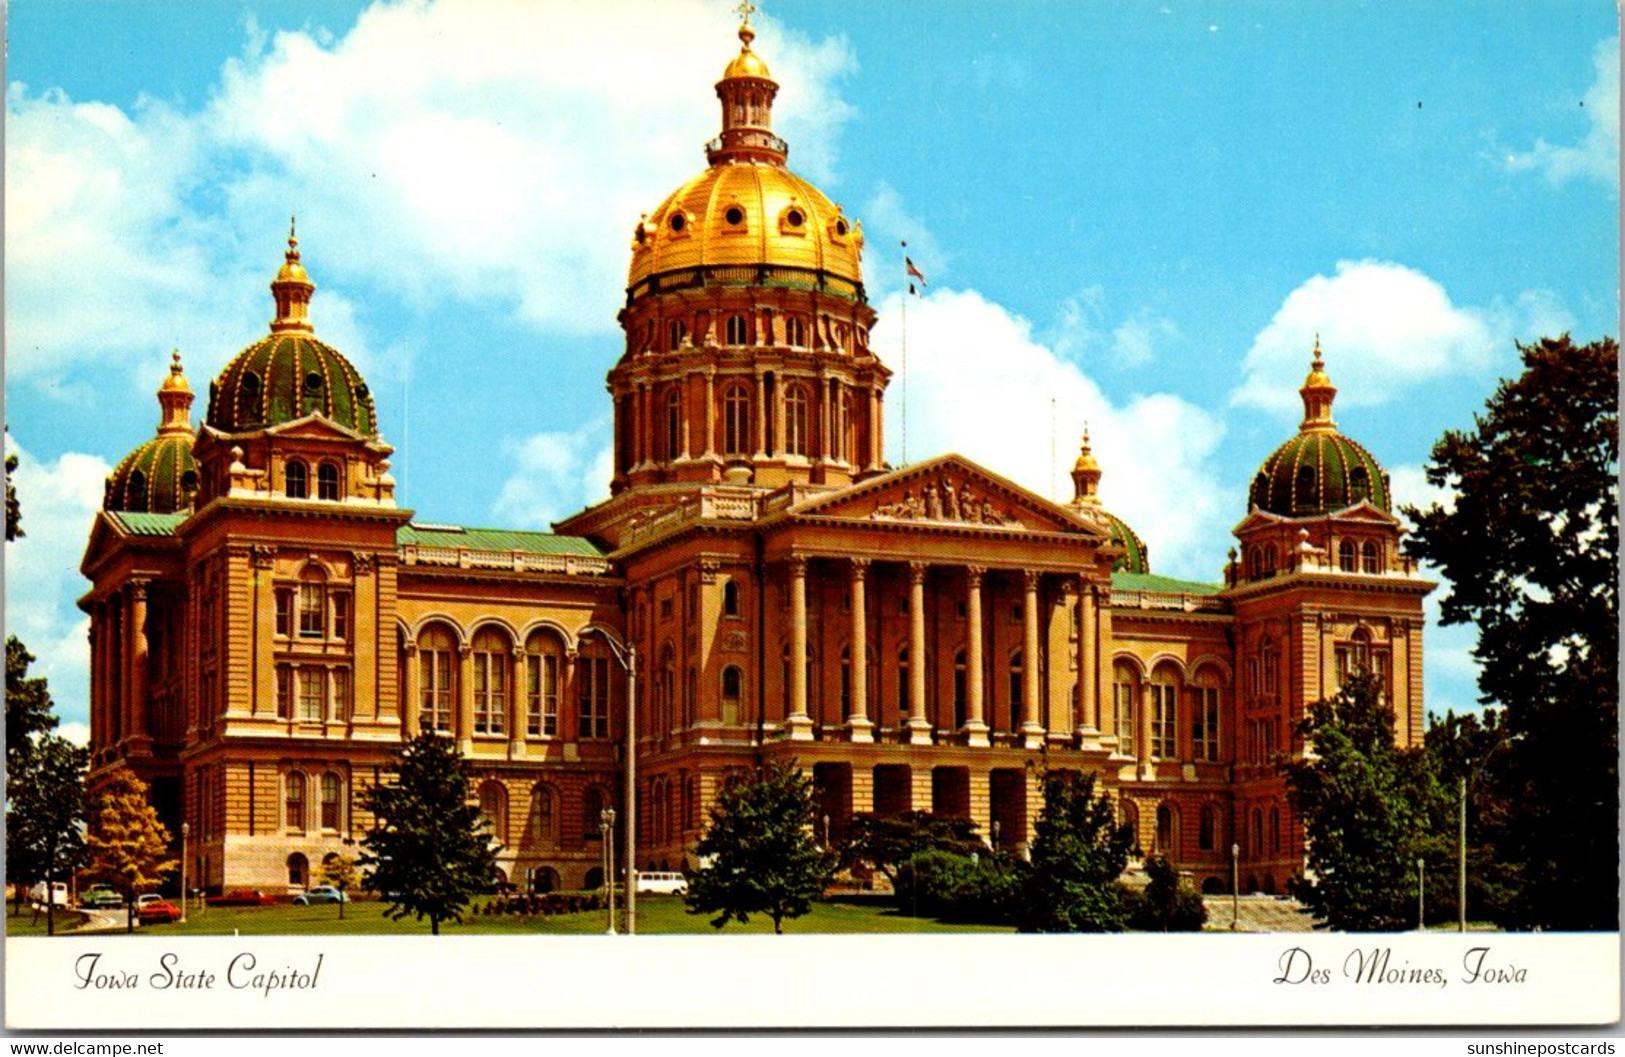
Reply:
x=663, y=914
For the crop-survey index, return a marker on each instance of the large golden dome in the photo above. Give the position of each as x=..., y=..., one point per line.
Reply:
x=747, y=219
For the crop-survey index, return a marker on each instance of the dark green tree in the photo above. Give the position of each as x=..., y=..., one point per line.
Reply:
x=28, y=703
x=1078, y=852
x=428, y=853
x=1530, y=547
x=1168, y=903
x=14, y=509
x=888, y=841
x=1468, y=754
x=45, y=817
x=1364, y=805
x=759, y=852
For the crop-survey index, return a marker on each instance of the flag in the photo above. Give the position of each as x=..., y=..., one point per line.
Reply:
x=914, y=273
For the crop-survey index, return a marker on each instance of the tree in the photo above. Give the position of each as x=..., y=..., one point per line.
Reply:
x=1169, y=903
x=14, y=509
x=1078, y=853
x=128, y=846
x=888, y=841
x=1364, y=808
x=28, y=703
x=1530, y=547
x=1468, y=755
x=759, y=852
x=45, y=817
x=340, y=872
x=428, y=852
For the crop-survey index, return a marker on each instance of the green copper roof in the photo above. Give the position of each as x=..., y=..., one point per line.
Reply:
x=287, y=376
x=159, y=477
x=486, y=539
x=1318, y=472
x=1165, y=585
x=1136, y=556
x=138, y=524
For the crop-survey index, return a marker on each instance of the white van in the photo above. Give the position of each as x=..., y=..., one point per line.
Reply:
x=662, y=883
x=59, y=894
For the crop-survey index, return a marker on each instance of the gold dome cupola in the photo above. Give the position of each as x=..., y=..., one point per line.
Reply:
x=1086, y=501
x=746, y=91
x=292, y=288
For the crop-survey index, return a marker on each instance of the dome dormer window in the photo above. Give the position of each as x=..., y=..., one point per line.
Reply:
x=734, y=216
x=327, y=482
x=677, y=223
x=295, y=480
x=738, y=331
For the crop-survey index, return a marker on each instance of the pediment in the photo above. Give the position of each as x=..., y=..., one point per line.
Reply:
x=314, y=427
x=948, y=490
x=1363, y=511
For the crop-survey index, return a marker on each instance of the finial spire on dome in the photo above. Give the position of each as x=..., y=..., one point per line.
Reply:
x=1085, y=474
x=746, y=91
x=175, y=397
x=292, y=288
x=1318, y=392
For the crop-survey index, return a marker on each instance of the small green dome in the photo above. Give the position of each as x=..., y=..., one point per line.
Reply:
x=1136, y=556
x=159, y=477
x=1318, y=472
x=286, y=376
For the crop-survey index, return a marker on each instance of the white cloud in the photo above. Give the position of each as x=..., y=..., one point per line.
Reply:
x=1408, y=485
x=978, y=383
x=557, y=474
x=59, y=501
x=1080, y=330
x=1135, y=340
x=1383, y=327
x=885, y=212
x=1596, y=156
x=75, y=732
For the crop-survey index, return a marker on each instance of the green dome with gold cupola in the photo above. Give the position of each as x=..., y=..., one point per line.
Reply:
x=290, y=373
x=159, y=477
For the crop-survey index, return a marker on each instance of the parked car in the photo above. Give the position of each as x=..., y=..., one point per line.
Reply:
x=320, y=894
x=158, y=911
x=59, y=893
x=241, y=897
x=101, y=897
x=147, y=899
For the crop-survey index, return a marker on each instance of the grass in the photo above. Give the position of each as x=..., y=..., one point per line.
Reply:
x=657, y=915
x=28, y=923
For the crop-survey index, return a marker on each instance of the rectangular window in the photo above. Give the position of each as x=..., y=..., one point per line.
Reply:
x=1123, y=716
x=341, y=694
x=593, y=675
x=312, y=693
x=1164, y=740
x=312, y=603
x=542, y=695
x=1205, y=724
x=340, y=602
x=490, y=693
x=434, y=674
x=284, y=691
x=284, y=612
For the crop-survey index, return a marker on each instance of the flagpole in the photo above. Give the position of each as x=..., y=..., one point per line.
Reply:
x=904, y=367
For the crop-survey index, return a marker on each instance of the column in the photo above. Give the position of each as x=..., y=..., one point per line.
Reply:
x=877, y=446
x=919, y=727
x=1032, y=734
x=409, y=695
x=138, y=658
x=570, y=707
x=859, y=727
x=761, y=415
x=98, y=725
x=798, y=725
x=975, y=721
x=516, y=703
x=1142, y=734
x=710, y=414
x=465, y=697
x=1088, y=689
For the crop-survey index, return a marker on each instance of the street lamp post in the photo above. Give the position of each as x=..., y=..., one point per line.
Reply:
x=606, y=826
x=826, y=833
x=1421, y=922
x=1235, y=885
x=186, y=828
x=1461, y=858
x=627, y=656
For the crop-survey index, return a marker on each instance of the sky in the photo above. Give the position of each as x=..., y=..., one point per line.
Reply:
x=1137, y=216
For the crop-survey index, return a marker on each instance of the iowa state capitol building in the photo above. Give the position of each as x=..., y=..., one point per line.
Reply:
x=268, y=624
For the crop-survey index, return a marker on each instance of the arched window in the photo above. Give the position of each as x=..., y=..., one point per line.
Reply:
x=543, y=879
x=1205, y=716
x=327, y=482
x=1370, y=558
x=437, y=684
x=1269, y=559
x=293, y=800
x=136, y=497
x=730, y=598
x=332, y=801
x=298, y=870
x=1125, y=688
x=795, y=420
x=795, y=332
x=1308, y=487
x=961, y=706
x=544, y=665
x=593, y=805
x=735, y=420
x=1258, y=833
x=593, y=683
x=1275, y=830
x=295, y=480
x=492, y=652
x=738, y=331
x=543, y=813
x=666, y=690
x=675, y=333
x=494, y=810
x=1207, y=830
x=312, y=602
x=674, y=423
x=1167, y=831
x=594, y=878
x=846, y=441
x=1360, y=482
x=1345, y=556
x=733, y=685
x=1164, y=713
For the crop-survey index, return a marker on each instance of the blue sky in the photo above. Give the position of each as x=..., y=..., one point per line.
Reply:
x=1136, y=215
